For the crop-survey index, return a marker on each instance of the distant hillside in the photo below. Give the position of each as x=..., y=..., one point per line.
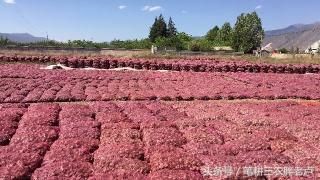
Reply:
x=299, y=35
x=21, y=37
x=198, y=37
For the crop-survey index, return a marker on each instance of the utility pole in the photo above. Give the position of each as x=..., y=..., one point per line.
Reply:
x=261, y=47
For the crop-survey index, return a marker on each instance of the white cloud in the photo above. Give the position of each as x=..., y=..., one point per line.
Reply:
x=184, y=12
x=155, y=8
x=151, y=8
x=9, y=1
x=146, y=8
x=122, y=7
x=258, y=7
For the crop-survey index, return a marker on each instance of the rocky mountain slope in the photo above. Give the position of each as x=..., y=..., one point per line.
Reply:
x=297, y=36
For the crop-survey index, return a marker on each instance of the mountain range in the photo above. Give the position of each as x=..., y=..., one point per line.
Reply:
x=300, y=36
x=21, y=37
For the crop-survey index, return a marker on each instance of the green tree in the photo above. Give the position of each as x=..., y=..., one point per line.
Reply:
x=237, y=40
x=194, y=45
x=4, y=41
x=248, y=33
x=184, y=40
x=172, y=30
x=158, y=29
x=203, y=45
x=162, y=26
x=184, y=36
x=153, y=30
x=206, y=45
x=179, y=42
x=225, y=34
x=212, y=34
x=169, y=42
x=297, y=50
x=161, y=42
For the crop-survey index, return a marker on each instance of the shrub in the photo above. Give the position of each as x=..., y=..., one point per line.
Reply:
x=194, y=46
x=284, y=51
x=200, y=45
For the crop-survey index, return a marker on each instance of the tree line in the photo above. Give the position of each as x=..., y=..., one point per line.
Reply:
x=245, y=36
x=114, y=44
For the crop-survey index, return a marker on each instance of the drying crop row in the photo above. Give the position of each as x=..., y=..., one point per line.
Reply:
x=185, y=64
x=25, y=83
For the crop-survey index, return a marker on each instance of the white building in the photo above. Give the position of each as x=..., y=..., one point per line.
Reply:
x=314, y=48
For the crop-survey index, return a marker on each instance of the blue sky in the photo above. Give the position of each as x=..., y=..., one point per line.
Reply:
x=105, y=20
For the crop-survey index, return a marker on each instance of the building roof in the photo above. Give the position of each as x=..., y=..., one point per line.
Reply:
x=315, y=45
x=268, y=47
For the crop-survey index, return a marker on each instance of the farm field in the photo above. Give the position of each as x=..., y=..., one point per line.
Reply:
x=160, y=122
x=155, y=140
